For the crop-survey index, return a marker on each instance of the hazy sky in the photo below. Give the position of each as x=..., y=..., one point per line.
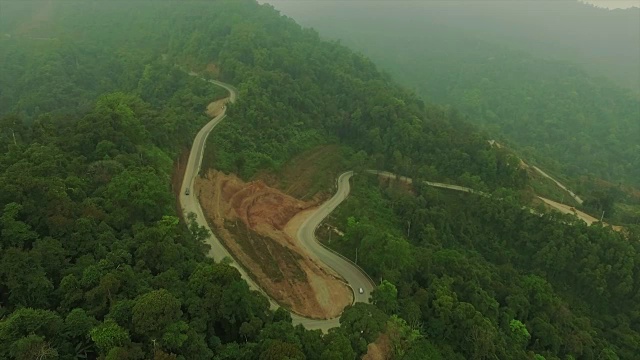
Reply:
x=609, y=4
x=614, y=4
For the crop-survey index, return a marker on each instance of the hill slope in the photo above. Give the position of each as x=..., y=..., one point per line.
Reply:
x=92, y=252
x=557, y=114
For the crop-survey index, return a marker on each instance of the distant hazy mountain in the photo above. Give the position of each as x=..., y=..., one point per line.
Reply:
x=571, y=122
x=613, y=4
x=605, y=42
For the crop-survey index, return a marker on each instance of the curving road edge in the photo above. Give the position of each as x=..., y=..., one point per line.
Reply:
x=354, y=276
x=563, y=208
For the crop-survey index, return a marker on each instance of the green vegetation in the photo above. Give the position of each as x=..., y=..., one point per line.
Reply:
x=553, y=113
x=604, y=42
x=546, y=188
x=310, y=172
x=481, y=278
x=557, y=114
x=292, y=97
x=95, y=263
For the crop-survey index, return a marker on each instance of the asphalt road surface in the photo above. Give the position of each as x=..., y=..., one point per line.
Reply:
x=353, y=275
x=430, y=183
x=563, y=208
x=560, y=185
x=355, y=278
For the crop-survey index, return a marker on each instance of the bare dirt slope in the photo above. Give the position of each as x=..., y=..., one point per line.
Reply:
x=379, y=350
x=310, y=175
x=215, y=108
x=256, y=223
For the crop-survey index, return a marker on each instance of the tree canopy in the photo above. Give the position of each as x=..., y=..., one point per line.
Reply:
x=95, y=262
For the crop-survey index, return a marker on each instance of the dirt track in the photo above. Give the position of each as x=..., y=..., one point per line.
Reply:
x=566, y=209
x=379, y=349
x=214, y=108
x=258, y=225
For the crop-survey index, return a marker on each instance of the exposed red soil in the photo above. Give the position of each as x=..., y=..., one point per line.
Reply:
x=213, y=69
x=379, y=350
x=257, y=224
x=308, y=176
x=215, y=108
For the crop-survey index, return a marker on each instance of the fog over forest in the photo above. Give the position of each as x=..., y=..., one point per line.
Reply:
x=319, y=180
x=613, y=4
x=605, y=42
x=478, y=43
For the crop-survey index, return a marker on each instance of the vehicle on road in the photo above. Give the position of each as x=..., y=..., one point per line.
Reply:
x=186, y=192
x=361, y=291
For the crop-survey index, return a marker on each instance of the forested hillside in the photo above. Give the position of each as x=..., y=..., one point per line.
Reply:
x=96, y=263
x=553, y=112
x=514, y=283
x=605, y=42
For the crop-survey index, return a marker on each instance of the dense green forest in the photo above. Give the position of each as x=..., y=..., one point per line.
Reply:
x=604, y=42
x=95, y=262
x=553, y=113
x=513, y=283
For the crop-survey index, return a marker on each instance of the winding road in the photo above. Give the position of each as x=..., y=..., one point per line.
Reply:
x=559, y=184
x=563, y=208
x=408, y=180
x=353, y=275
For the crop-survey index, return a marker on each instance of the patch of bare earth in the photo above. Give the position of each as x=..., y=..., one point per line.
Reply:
x=41, y=17
x=258, y=224
x=215, y=108
x=379, y=350
x=566, y=209
x=213, y=69
x=308, y=176
x=400, y=183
